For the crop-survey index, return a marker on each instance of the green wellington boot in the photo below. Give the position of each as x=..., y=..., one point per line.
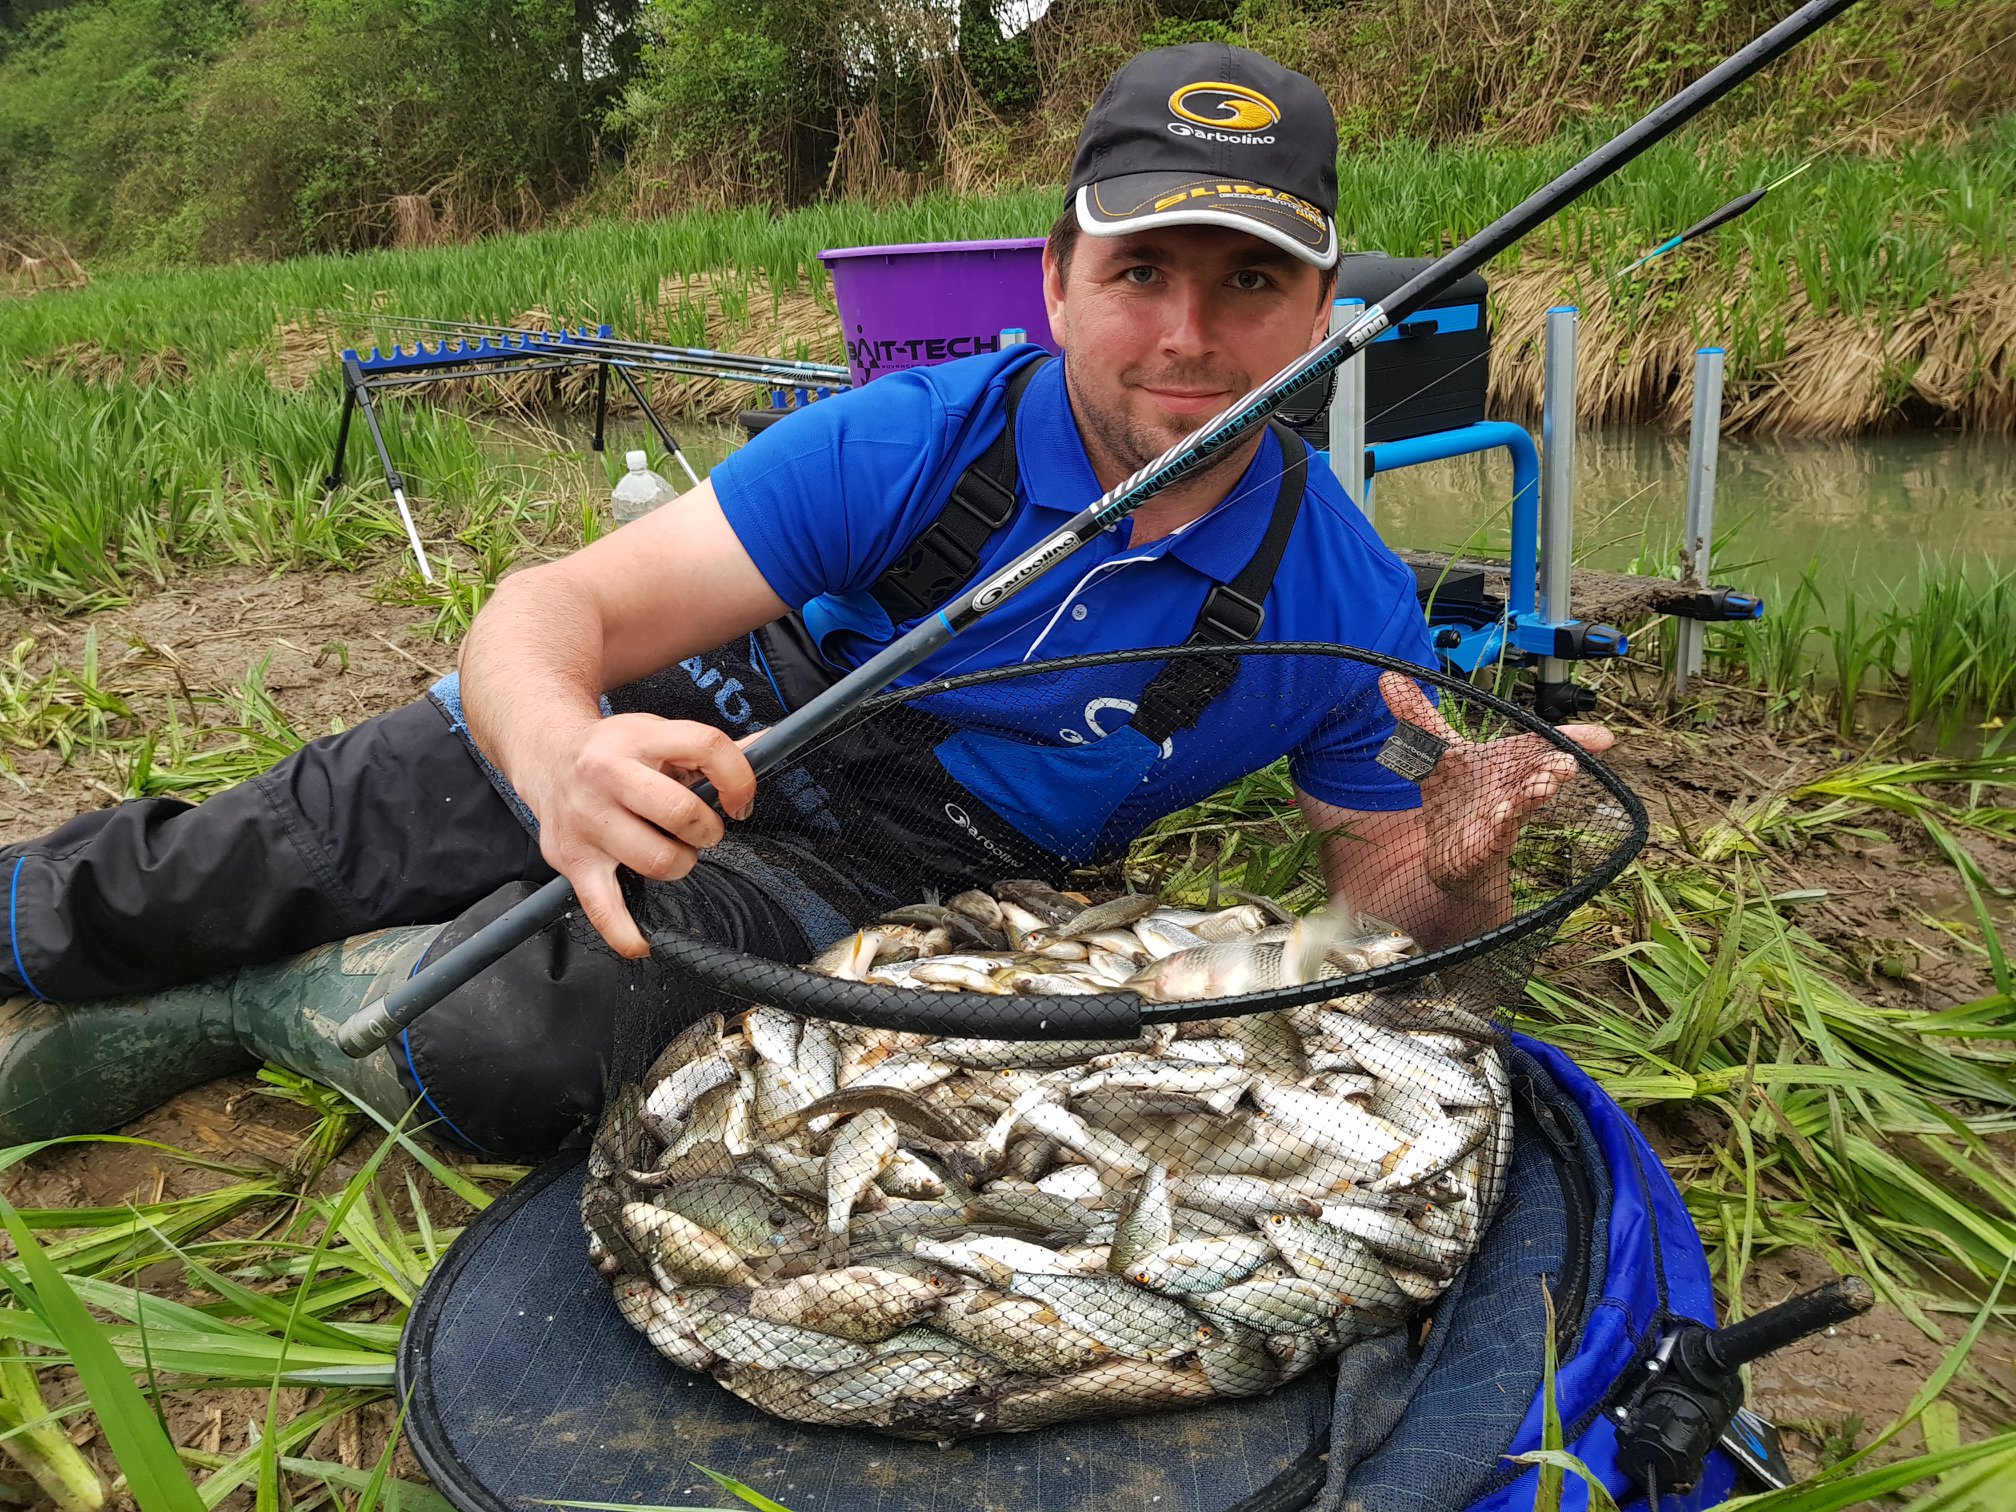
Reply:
x=84, y=1068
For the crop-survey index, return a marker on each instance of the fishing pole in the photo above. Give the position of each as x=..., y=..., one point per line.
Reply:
x=1741, y=205
x=383, y=1017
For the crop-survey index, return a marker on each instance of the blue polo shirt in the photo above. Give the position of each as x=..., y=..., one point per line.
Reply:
x=825, y=501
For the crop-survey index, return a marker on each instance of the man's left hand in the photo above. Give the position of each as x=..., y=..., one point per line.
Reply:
x=1478, y=795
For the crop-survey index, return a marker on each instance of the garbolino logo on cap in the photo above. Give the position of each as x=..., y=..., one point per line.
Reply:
x=1207, y=134
x=1228, y=107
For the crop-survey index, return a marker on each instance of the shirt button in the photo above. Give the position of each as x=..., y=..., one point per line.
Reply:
x=1078, y=611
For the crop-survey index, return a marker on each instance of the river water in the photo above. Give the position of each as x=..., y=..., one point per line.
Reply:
x=1864, y=513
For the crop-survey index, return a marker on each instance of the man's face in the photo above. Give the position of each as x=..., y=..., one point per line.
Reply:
x=1166, y=327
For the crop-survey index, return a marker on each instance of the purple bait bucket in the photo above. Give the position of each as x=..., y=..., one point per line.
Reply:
x=909, y=306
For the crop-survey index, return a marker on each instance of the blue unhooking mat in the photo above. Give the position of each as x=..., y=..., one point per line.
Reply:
x=526, y=1387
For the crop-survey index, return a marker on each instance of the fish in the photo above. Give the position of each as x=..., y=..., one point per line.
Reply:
x=668, y=1102
x=752, y=1220
x=907, y=1176
x=1160, y=938
x=1233, y=923
x=1021, y=1332
x=1328, y=1256
x=1340, y=1127
x=1145, y=1223
x=849, y=959
x=1129, y=1319
x=1236, y=1360
x=916, y=1376
x=978, y=905
x=993, y=1258
x=773, y=1035
x=665, y=1320
x=1274, y=1304
x=691, y=1043
x=1403, y=1059
x=1431, y=1155
x=1039, y=899
x=1248, y=1198
x=860, y=1302
x=1031, y=1206
x=935, y=1236
x=903, y=1105
x=677, y=1251
x=744, y=1339
x=1099, y=918
x=860, y=1150
x=1201, y=1265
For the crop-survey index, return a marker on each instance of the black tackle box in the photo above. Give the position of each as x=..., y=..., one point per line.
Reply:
x=1429, y=373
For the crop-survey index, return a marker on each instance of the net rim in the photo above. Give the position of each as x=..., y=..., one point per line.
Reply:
x=1122, y=1015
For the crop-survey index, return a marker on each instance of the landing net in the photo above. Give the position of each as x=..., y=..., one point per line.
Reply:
x=1101, y=1095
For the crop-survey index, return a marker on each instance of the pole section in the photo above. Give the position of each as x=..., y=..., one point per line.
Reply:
x=1697, y=544
x=1347, y=413
x=1557, y=493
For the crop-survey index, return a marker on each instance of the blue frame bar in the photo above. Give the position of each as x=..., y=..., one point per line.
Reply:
x=1521, y=629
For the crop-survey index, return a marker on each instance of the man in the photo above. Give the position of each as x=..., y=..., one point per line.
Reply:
x=1195, y=258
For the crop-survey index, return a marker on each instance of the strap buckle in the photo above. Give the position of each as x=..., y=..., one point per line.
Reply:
x=1228, y=617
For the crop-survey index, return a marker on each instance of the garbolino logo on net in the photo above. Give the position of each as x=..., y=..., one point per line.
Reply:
x=1228, y=112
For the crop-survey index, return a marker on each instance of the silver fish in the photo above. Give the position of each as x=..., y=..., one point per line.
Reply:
x=1236, y=1361
x=1020, y=1331
x=1161, y=938
x=1405, y=1061
x=1097, y=919
x=1131, y=1321
x=668, y=1102
x=1243, y=1197
x=665, y=1320
x=743, y=1339
x=1343, y=1129
x=993, y=1258
x=1145, y=1222
x=1233, y=923
x=1332, y=1258
x=860, y=1150
x=923, y=1375
x=679, y=1251
x=857, y=1302
x=1274, y=1305
x=1201, y=1265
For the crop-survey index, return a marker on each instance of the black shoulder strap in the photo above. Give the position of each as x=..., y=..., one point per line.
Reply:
x=1232, y=611
x=944, y=554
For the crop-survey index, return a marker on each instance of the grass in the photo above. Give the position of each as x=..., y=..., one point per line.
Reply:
x=171, y=419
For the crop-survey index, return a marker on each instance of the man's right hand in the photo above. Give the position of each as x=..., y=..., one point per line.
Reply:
x=625, y=799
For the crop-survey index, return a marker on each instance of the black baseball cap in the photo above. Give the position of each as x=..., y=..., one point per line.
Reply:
x=1207, y=134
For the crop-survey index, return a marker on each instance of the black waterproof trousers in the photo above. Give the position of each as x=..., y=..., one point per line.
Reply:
x=392, y=823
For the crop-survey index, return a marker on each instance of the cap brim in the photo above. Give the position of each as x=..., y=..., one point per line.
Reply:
x=1142, y=201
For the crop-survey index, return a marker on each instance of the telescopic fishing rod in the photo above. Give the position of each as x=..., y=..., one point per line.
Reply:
x=383, y=1017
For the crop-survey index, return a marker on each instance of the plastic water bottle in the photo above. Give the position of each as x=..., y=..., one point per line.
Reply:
x=639, y=491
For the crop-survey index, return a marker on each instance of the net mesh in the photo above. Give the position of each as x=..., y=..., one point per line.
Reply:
x=1117, y=1080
